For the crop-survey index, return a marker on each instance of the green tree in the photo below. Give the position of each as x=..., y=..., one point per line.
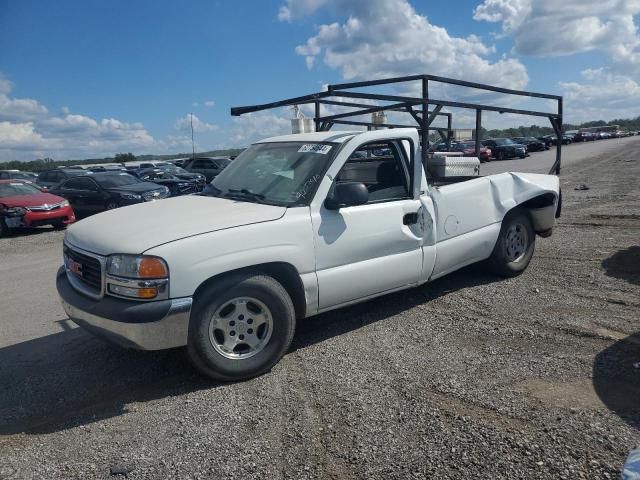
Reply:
x=124, y=157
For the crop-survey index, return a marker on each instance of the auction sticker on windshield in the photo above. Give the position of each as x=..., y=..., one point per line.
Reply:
x=315, y=148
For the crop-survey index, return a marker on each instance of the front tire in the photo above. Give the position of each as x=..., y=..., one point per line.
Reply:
x=515, y=246
x=240, y=327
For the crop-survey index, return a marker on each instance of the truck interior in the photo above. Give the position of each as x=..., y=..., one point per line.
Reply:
x=380, y=167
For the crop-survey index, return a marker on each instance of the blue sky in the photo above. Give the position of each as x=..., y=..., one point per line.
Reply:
x=92, y=78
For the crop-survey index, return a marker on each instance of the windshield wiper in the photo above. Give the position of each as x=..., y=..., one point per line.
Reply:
x=244, y=193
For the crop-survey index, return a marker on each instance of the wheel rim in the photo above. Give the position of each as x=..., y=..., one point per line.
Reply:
x=240, y=328
x=516, y=242
x=112, y=205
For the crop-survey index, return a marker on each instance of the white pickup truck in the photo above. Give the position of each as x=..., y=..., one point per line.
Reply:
x=295, y=226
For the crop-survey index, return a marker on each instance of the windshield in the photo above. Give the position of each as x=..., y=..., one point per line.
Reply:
x=25, y=176
x=158, y=176
x=504, y=141
x=174, y=169
x=119, y=180
x=286, y=173
x=16, y=189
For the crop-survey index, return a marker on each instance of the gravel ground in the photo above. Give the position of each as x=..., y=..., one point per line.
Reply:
x=469, y=377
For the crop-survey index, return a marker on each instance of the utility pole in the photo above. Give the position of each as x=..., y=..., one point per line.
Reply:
x=193, y=145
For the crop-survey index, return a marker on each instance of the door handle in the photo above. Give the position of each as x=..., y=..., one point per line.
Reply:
x=410, y=218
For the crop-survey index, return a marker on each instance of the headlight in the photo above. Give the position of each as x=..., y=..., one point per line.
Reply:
x=65, y=203
x=130, y=196
x=137, y=276
x=137, y=266
x=14, y=211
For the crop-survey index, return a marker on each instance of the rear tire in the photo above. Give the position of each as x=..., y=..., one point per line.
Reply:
x=240, y=327
x=515, y=246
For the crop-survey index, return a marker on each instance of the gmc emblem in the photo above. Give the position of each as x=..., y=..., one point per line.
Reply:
x=75, y=267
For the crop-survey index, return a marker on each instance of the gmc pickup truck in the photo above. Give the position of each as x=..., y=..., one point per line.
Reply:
x=294, y=226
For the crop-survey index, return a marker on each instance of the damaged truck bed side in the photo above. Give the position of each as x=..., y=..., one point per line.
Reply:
x=296, y=225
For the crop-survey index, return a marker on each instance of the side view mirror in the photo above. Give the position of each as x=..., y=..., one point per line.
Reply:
x=346, y=195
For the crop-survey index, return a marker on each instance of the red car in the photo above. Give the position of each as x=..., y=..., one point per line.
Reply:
x=22, y=204
x=468, y=149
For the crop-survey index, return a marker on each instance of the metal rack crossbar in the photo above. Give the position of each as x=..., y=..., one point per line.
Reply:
x=417, y=107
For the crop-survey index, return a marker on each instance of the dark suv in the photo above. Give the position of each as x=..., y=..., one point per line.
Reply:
x=95, y=192
x=53, y=178
x=210, y=167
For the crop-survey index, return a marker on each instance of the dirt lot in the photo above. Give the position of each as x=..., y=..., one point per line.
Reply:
x=469, y=377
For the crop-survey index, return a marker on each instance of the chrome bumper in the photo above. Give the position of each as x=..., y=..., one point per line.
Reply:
x=142, y=329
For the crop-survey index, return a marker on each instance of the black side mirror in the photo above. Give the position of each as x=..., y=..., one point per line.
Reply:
x=346, y=195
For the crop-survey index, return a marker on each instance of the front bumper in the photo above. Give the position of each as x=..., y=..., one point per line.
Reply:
x=142, y=325
x=34, y=219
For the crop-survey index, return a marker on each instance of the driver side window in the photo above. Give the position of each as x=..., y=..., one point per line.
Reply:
x=382, y=169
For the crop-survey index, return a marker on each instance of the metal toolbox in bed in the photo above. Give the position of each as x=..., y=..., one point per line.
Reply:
x=441, y=166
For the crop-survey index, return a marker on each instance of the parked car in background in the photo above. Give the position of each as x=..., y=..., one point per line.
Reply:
x=210, y=167
x=583, y=137
x=108, y=168
x=532, y=144
x=468, y=149
x=22, y=204
x=53, y=178
x=181, y=173
x=177, y=186
x=18, y=175
x=504, y=148
x=96, y=192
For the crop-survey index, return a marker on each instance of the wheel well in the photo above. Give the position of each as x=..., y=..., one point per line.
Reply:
x=284, y=273
x=540, y=201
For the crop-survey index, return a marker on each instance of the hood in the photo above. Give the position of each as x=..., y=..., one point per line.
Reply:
x=138, y=228
x=135, y=187
x=34, y=200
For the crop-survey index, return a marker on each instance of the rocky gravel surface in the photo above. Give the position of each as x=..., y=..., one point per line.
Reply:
x=471, y=376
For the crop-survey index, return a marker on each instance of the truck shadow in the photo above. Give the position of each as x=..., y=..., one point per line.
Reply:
x=624, y=264
x=615, y=379
x=71, y=378
x=319, y=328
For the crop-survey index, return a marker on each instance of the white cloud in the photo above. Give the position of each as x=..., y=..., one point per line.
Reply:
x=206, y=103
x=184, y=124
x=28, y=130
x=382, y=38
x=17, y=109
x=255, y=126
x=554, y=28
x=604, y=96
x=299, y=8
x=19, y=136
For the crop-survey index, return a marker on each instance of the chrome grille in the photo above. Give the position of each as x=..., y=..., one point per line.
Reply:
x=45, y=208
x=154, y=195
x=90, y=271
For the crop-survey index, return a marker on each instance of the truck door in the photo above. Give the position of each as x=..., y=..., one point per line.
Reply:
x=373, y=248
